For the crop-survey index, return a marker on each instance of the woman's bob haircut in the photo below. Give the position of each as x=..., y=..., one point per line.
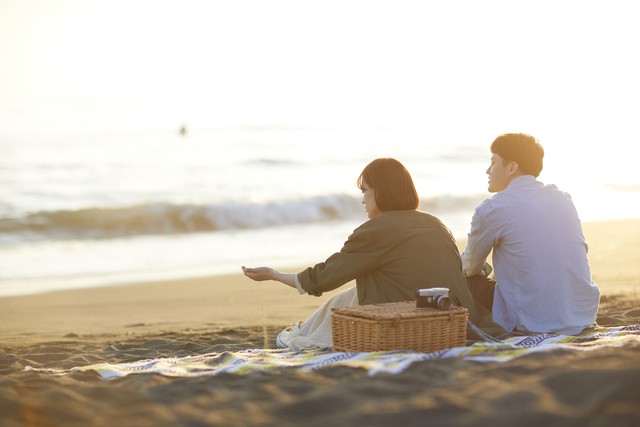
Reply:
x=392, y=185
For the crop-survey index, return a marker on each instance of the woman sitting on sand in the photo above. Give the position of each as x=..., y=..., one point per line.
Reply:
x=396, y=252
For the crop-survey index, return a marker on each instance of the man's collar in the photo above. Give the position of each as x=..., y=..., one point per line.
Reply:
x=521, y=180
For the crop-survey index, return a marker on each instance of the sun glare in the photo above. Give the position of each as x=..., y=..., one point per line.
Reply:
x=485, y=68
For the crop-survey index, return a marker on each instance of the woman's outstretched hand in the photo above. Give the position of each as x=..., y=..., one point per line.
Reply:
x=259, y=273
x=267, y=273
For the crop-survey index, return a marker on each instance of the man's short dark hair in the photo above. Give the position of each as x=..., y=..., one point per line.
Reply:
x=521, y=148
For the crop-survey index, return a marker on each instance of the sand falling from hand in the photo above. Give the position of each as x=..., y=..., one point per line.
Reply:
x=263, y=317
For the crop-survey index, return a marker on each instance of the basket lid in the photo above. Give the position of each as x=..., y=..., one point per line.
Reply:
x=392, y=310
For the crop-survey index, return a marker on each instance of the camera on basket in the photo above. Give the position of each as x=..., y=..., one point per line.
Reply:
x=434, y=298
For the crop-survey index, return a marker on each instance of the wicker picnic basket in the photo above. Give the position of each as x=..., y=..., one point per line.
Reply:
x=398, y=326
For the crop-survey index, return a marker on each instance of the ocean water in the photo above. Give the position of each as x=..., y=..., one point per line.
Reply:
x=91, y=208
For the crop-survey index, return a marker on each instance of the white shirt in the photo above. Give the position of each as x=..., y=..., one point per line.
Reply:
x=543, y=279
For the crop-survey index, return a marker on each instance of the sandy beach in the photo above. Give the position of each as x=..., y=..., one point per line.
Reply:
x=176, y=318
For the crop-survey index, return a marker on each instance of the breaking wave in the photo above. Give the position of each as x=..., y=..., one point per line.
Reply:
x=169, y=218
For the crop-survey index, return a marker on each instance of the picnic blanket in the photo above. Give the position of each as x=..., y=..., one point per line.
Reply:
x=391, y=362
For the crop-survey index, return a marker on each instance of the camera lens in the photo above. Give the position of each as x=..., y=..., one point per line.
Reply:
x=443, y=303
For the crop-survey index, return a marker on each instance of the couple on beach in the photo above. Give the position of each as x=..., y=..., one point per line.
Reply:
x=542, y=280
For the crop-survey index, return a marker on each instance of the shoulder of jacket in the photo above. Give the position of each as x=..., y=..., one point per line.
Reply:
x=395, y=219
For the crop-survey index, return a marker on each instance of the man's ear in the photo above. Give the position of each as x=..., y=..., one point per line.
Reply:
x=513, y=169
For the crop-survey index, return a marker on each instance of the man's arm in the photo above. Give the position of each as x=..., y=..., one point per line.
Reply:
x=480, y=241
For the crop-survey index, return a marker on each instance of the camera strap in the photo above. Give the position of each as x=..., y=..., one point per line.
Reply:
x=482, y=334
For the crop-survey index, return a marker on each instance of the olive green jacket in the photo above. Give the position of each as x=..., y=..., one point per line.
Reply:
x=390, y=257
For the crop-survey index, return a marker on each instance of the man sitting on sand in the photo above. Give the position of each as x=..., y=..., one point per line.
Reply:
x=542, y=275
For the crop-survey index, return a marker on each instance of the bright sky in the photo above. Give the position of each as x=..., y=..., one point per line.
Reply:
x=557, y=69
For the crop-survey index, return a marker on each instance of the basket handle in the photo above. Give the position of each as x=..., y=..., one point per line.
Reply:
x=396, y=321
